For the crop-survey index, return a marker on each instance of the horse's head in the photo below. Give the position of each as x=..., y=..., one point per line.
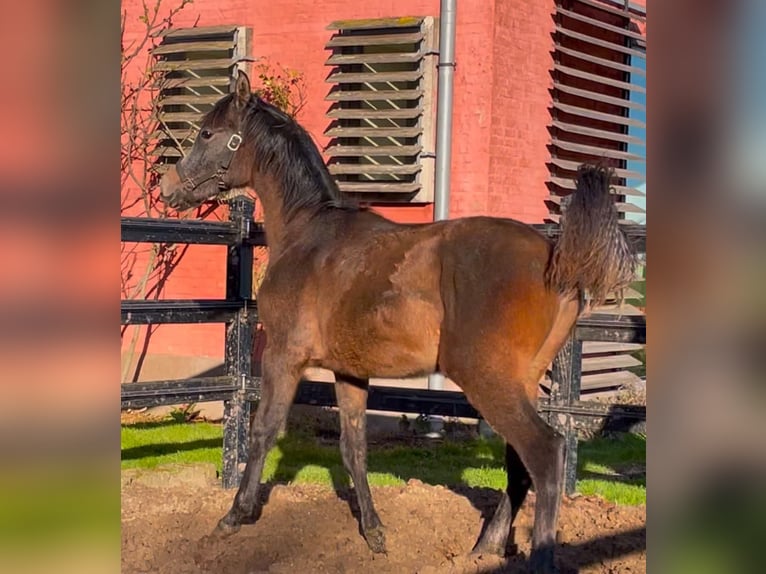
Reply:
x=215, y=163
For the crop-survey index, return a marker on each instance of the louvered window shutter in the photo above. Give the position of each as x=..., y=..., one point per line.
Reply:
x=598, y=108
x=383, y=84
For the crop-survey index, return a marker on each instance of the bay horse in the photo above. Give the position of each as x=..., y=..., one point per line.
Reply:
x=486, y=301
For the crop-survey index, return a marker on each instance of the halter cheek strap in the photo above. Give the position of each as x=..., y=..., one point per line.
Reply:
x=234, y=143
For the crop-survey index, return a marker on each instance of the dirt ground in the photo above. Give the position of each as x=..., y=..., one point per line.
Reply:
x=168, y=515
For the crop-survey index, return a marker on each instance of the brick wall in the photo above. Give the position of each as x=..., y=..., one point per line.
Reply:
x=520, y=97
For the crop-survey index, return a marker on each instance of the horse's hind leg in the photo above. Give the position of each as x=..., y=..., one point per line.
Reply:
x=543, y=454
x=278, y=387
x=352, y=403
x=541, y=450
x=495, y=537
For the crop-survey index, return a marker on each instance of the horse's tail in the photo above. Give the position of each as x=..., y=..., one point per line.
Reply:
x=592, y=252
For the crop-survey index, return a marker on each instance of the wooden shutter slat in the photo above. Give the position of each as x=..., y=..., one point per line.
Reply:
x=599, y=23
x=620, y=205
x=608, y=380
x=372, y=23
x=177, y=47
x=349, y=114
x=179, y=134
x=369, y=168
x=617, y=11
x=625, y=223
x=384, y=58
x=370, y=150
x=199, y=31
x=590, y=364
x=590, y=347
x=374, y=40
x=190, y=100
x=574, y=166
x=167, y=151
x=597, y=78
x=374, y=77
x=575, y=110
x=601, y=61
x=596, y=97
x=364, y=95
x=567, y=183
x=598, y=42
x=172, y=117
x=193, y=65
x=169, y=83
x=595, y=150
x=593, y=132
x=378, y=187
x=354, y=132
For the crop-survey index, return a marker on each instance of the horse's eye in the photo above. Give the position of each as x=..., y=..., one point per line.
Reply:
x=206, y=134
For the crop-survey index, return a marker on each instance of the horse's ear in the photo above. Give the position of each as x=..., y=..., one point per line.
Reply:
x=242, y=91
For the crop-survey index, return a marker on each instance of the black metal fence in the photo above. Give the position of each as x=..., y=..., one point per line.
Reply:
x=238, y=388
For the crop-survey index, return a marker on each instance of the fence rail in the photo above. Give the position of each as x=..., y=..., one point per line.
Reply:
x=141, y=312
x=237, y=388
x=158, y=230
x=381, y=398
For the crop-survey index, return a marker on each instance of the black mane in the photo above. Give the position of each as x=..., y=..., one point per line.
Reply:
x=286, y=151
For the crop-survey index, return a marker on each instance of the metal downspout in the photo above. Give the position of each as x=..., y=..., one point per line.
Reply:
x=446, y=70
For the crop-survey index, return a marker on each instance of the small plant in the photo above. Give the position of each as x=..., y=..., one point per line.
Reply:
x=283, y=87
x=185, y=413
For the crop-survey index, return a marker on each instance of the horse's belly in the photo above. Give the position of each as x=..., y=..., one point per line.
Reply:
x=397, y=339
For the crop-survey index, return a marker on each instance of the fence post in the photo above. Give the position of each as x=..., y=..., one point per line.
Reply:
x=239, y=344
x=565, y=390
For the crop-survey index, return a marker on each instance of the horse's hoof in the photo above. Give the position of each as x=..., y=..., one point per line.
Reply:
x=227, y=526
x=541, y=562
x=376, y=539
x=488, y=549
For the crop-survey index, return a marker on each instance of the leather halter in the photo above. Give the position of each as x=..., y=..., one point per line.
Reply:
x=234, y=143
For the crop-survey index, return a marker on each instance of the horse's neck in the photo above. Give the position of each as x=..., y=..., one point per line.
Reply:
x=279, y=231
x=273, y=220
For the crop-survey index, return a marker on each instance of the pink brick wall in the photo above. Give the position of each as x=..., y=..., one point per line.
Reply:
x=518, y=136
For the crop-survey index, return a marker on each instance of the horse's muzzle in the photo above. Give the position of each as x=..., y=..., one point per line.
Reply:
x=170, y=188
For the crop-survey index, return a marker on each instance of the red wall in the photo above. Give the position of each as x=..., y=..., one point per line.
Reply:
x=500, y=112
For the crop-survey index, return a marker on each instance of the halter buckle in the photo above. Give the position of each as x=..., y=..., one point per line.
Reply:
x=234, y=142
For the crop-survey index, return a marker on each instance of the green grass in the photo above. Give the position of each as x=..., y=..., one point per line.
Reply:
x=614, y=468
x=606, y=467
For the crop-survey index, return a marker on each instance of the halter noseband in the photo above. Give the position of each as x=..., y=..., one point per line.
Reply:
x=235, y=141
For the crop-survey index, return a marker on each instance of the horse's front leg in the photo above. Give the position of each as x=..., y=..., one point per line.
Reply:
x=352, y=403
x=278, y=386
